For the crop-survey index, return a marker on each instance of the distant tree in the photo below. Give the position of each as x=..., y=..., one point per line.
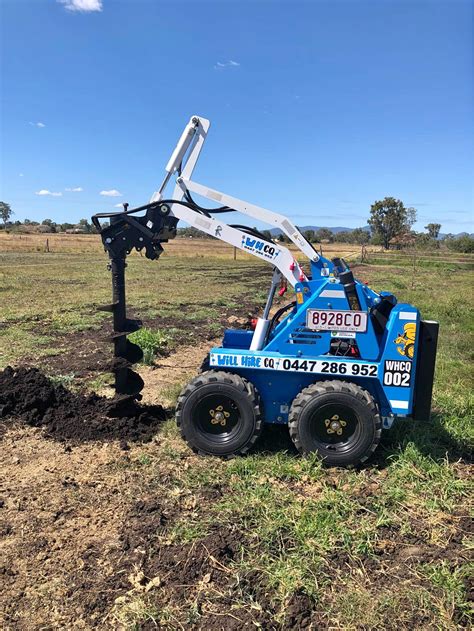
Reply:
x=376, y=239
x=66, y=226
x=433, y=229
x=309, y=235
x=323, y=234
x=344, y=236
x=5, y=213
x=463, y=244
x=85, y=225
x=359, y=236
x=267, y=234
x=50, y=223
x=389, y=218
x=26, y=222
x=426, y=241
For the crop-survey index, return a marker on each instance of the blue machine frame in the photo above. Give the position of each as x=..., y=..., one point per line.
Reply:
x=296, y=356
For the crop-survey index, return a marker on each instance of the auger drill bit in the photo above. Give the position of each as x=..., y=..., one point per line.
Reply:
x=127, y=381
x=122, y=235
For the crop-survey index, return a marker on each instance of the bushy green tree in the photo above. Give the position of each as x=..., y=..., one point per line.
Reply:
x=433, y=230
x=5, y=213
x=463, y=244
x=50, y=223
x=390, y=218
x=323, y=234
x=85, y=225
x=360, y=236
x=344, y=236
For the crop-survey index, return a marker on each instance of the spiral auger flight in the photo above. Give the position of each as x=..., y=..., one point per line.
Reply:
x=125, y=233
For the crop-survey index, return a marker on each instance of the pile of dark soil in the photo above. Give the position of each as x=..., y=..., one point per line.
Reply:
x=28, y=396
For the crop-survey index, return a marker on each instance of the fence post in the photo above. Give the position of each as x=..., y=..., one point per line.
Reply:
x=46, y=249
x=235, y=253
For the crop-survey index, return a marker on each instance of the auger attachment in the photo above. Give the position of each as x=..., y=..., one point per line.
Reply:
x=119, y=238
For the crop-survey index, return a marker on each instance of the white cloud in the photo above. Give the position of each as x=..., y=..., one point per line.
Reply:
x=226, y=64
x=82, y=6
x=77, y=189
x=44, y=191
x=118, y=206
x=37, y=124
x=20, y=174
x=112, y=193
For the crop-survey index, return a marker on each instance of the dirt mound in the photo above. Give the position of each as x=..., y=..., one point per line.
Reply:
x=28, y=396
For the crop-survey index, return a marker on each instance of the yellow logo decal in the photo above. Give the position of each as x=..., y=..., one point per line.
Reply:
x=406, y=340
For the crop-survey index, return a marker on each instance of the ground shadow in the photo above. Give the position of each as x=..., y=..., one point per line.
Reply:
x=429, y=437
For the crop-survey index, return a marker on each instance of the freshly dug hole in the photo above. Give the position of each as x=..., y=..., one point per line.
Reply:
x=28, y=396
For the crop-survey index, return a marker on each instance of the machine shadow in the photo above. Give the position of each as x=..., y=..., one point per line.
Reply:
x=430, y=438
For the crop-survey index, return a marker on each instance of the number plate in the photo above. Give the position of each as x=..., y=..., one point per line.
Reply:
x=328, y=320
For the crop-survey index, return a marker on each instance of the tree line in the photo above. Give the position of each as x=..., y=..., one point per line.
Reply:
x=390, y=224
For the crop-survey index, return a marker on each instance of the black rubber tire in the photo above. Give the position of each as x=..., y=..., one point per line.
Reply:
x=246, y=408
x=205, y=365
x=319, y=398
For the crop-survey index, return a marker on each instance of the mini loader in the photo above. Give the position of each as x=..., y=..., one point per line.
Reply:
x=336, y=365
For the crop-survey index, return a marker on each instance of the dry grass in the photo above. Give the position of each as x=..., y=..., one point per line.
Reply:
x=192, y=248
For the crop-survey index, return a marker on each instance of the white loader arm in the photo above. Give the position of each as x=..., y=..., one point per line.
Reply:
x=182, y=161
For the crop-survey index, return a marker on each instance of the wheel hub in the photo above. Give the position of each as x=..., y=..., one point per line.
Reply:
x=219, y=416
x=335, y=424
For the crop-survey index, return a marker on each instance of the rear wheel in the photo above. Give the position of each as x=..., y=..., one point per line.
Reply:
x=338, y=420
x=218, y=413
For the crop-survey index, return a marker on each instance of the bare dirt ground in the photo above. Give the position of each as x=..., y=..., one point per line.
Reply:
x=73, y=514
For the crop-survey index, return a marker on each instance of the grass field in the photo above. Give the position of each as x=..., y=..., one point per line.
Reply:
x=272, y=540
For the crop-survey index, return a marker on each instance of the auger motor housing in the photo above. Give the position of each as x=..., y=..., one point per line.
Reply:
x=336, y=365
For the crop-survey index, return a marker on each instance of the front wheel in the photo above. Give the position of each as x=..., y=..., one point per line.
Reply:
x=338, y=420
x=218, y=413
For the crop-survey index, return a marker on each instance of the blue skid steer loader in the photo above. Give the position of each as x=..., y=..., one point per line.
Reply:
x=337, y=364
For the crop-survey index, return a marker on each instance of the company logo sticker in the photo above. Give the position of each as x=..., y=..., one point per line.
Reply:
x=266, y=250
x=406, y=340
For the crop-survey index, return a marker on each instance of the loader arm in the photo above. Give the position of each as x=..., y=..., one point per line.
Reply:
x=183, y=161
x=127, y=231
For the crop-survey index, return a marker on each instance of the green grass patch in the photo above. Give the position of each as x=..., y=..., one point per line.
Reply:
x=152, y=343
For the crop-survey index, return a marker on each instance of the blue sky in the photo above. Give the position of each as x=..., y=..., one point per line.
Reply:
x=317, y=108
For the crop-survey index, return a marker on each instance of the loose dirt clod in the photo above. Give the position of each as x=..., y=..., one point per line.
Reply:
x=28, y=396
